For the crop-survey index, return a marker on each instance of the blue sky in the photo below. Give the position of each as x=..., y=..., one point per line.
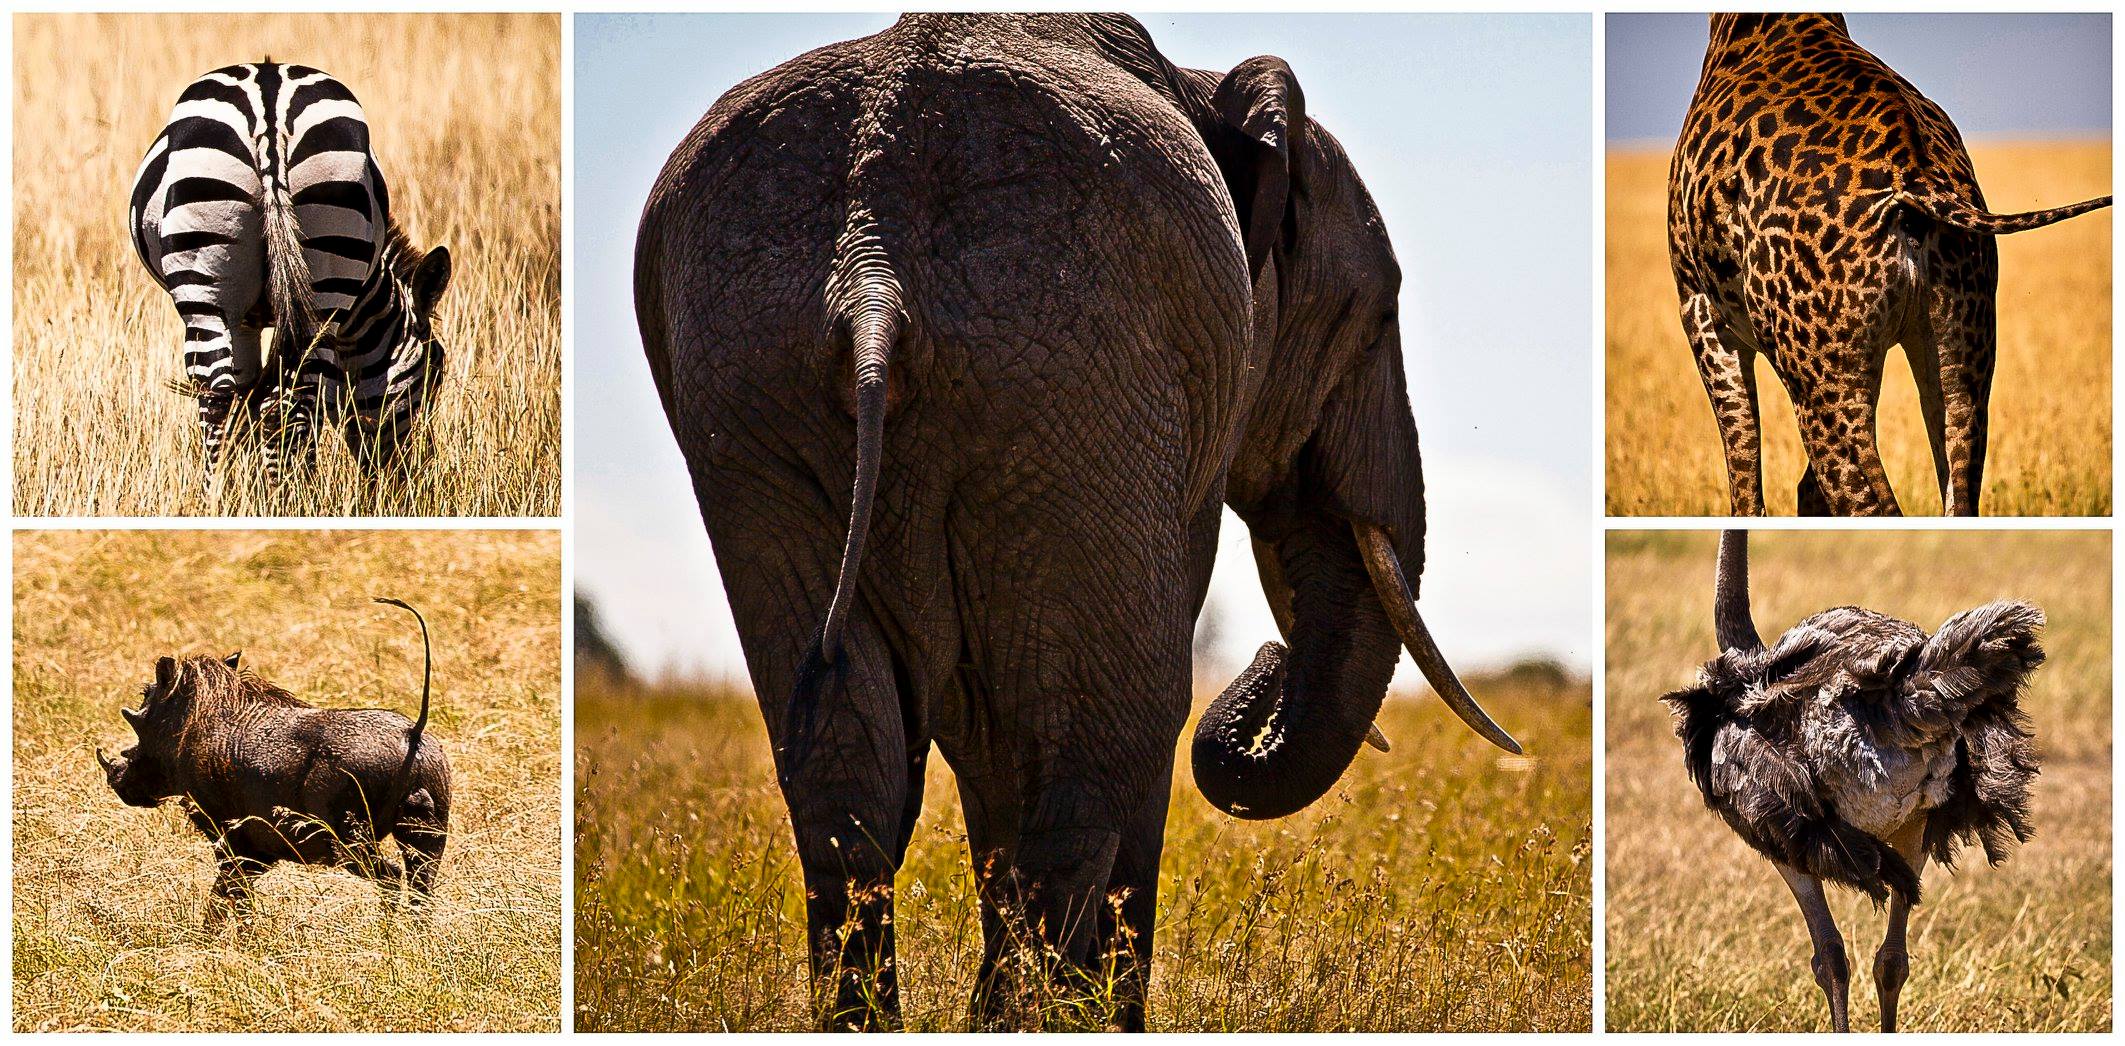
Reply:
x=1474, y=135
x=1997, y=75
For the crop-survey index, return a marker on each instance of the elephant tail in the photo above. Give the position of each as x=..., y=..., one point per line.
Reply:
x=865, y=304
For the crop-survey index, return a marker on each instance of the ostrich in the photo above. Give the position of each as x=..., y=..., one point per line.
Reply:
x=1855, y=747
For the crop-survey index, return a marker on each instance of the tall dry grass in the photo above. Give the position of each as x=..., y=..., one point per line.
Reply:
x=108, y=899
x=1702, y=935
x=2050, y=436
x=465, y=111
x=1438, y=887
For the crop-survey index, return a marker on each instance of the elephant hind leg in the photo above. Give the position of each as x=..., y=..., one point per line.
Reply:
x=846, y=746
x=1090, y=673
x=1067, y=928
x=852, y=790
x=990, y=801
x=1051, y=901
x=1131, y=908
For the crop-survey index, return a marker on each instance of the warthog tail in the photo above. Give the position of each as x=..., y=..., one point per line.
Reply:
x=403, y=783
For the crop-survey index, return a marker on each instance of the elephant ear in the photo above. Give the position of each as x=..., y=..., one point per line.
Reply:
x=1262, y=120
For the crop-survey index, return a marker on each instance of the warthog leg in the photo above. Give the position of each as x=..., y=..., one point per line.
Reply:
x=421, y=845
x=231, y=894
x=359, y=852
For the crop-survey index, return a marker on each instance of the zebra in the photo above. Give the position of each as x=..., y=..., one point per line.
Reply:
x=260, y=205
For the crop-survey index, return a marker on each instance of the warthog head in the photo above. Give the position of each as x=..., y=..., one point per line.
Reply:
x=145, y=773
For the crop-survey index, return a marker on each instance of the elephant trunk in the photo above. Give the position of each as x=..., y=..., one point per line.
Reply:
x=1283, y=732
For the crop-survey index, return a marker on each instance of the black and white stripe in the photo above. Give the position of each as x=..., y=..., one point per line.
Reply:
x=261, y=205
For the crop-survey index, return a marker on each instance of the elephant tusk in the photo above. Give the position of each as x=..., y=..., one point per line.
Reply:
x=1393, y=589
x=1378, y=740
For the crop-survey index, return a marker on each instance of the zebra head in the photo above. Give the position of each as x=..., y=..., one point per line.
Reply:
x=430, y=278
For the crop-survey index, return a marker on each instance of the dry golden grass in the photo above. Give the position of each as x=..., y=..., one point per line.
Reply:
x=1437, y=888
x=108, y=899
x=2050, y=436
x=1702, y=935
x=466, y=114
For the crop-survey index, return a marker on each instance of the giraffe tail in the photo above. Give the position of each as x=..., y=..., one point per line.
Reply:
x=1951, y=209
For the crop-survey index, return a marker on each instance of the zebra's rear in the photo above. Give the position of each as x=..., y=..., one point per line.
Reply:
x=261, y=205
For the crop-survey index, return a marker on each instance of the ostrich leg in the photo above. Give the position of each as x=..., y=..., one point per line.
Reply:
x=1891, y=964
x=1832, y=972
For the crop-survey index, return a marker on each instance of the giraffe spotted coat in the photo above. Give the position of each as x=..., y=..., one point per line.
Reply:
x=1820, y=210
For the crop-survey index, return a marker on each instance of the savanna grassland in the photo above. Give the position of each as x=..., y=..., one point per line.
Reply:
x=1439, y=887
x=1702, y=934
x=466, y=118
x=108, y=899
x=2051, y=429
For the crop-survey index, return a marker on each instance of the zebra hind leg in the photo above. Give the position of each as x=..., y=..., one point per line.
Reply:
x=214, y=409
x=287, y=423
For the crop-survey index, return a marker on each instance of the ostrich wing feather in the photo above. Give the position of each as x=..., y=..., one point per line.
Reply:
x=1741, y=746
x=1975, y=668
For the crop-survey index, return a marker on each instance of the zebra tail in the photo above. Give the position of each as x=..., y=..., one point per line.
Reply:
x=287, y=270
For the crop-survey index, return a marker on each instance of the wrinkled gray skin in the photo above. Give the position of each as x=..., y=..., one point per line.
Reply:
x=1012, y=304
x=268, y=778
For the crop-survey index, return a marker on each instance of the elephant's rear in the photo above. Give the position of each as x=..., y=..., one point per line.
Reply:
x=951, y=324
x=961, y=259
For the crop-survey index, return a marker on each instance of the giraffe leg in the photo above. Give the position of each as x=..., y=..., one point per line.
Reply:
x=1832, y=972
x=1837, y=418
x=1962, y=331
x=1728, y=368
x=1926, y=374
x=1892, y=964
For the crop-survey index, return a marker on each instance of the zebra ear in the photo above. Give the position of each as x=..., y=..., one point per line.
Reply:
x=232, y=659
x=430, y=277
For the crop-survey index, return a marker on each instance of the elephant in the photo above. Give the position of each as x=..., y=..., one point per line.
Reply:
x=1064, y=300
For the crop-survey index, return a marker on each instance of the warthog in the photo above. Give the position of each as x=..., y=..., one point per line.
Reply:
x=268, y=777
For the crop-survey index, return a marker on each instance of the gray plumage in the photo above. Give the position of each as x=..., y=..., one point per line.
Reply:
x=1820, y=748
